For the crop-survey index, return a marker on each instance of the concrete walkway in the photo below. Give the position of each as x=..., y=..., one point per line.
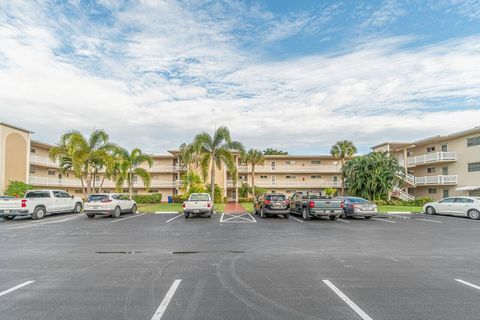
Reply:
x=234, y=208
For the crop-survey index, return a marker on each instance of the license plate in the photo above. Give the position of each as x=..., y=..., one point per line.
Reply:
x=196, y=211
x=6, y=211
x=95, y=207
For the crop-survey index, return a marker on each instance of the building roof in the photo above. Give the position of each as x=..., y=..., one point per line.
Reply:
x=393, y=145
x=36, y=143
x=14, y=127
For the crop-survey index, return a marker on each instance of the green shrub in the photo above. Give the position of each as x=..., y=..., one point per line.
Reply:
x=148, y=198
x=179, y=198
x=245, y=200
x=17, y=188
x=397, y=202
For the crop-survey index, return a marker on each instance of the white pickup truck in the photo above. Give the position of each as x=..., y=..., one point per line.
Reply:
x=198, y=203
x=38, y=203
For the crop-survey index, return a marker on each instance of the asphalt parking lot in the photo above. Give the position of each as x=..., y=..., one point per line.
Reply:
x=161, y=266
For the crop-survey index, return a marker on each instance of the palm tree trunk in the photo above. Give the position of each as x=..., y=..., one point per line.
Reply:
x=130, y=184
x=212, y=180
x=83, y=187
x=253, y=182
x=101, y=184
x=343, y=179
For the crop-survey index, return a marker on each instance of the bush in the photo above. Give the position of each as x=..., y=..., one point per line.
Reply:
x=179, y=198
x=245, y=200
x=397, y=202
x=148, y=198
x=17, y=188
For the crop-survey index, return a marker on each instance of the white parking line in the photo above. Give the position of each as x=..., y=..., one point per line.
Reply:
x=178, y=216
x=384, y=220
x=343, y=220
x=166, y=300
x=235, y=218
x=298, y=220
x=134, y=216
x=347, y=300
x=16, y=287
x=468, y=284
x=428, y=220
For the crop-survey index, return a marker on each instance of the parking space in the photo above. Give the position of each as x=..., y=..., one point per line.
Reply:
x=163, y=266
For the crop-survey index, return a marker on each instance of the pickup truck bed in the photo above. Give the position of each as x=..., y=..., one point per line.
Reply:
x=198, y=203
x=316, y=206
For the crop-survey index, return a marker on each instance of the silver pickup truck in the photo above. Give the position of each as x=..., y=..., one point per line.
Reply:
x=313, y=204
x=198, y=203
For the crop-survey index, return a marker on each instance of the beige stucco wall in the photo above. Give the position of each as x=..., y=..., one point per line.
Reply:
x=14, y=155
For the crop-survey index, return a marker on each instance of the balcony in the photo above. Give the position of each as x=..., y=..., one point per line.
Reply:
x=160, y=169
x=43, y=161
x=299, y=184
x=432, y=158
x=436, y=180
x=298, y=169
x=54, y=182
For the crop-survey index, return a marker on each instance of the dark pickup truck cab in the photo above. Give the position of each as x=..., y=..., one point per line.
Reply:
x=313, y=204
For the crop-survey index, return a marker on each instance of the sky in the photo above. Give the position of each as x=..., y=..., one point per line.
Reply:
x=291, y=75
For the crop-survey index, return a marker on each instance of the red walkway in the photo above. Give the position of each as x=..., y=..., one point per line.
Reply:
x=234, y=208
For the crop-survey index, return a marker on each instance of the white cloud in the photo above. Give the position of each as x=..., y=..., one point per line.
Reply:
x=182, y=71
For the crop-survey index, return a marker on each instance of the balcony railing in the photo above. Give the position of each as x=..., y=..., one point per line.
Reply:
x=436, y=180
x=169, y=169
x=432, y=157
x=44, y=161
x=307, y=169
x=299, y=184
x=54, y=182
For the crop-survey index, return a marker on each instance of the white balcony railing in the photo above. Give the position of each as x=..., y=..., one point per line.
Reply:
x=54, y=182
x=308, y=169
x=161, y=168
x=299, y=184
x=432, y=157
x=44, y=161
x=436, y=180
x=399, y=193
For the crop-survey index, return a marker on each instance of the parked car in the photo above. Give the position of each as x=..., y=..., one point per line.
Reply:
x=357, y=207
x=313, y=204
x=198, y=203
x=272, y=204
x=462, y=206
x=113, y=204
x=38, y=203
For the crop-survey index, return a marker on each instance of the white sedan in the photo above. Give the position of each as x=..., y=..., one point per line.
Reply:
x=109, y=204
x=463, y=206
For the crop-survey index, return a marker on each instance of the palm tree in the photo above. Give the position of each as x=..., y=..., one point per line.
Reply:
x=187, y=156
x=83, y=156
x=130, y=167
x=253, y=158
x=213, y=151
x=344, y=150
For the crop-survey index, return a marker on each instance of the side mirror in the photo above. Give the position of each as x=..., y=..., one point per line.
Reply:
x=72, y=196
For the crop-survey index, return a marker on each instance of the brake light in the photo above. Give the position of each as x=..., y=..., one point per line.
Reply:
x=341, y=205
x=268, y=201
x=311, y=204
x=183, y=205
x=208, y=205
x=287, y=202
x=24, y=203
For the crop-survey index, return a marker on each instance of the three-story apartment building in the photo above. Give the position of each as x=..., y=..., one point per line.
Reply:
x=439, y=166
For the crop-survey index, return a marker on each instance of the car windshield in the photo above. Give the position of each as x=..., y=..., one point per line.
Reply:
x=276, y=197
x=97, y=197
x=199, y=197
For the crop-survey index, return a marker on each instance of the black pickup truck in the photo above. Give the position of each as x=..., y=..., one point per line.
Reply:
x=313, y=204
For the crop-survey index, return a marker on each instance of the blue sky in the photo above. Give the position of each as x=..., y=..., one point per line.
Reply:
x=294, y=75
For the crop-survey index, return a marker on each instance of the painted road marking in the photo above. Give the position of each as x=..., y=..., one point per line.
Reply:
x=347, y=300
x=428, y=220
x=131, y=217
x=343, y=220
x=237, y=218
x=296, y=219
x=166, y=212
x=468, y=284
x=166, y=300
x=16, y=287
x=384, y=220
x=178, y=216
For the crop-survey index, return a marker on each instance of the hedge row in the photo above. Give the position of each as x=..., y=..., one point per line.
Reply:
x=148, y=198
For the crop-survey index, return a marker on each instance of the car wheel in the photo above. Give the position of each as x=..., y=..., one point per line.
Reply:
x=187, y=215
x=209, y=215
x=286, y=216
x=39, y=213
x=333, y=217
x=90, y=215
x=78, y=208
x=8, y=217
x=305, y=214
x=116, y=212
x=134, y=209
x=262, y=214
x=368, y=217
x=473, y=214
x=430, y=210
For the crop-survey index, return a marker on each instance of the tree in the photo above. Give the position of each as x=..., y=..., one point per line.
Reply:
x=372, y=176
x=130, y=167
x=17, y=189
x=330, y=192
x=187, y=155
x=213, y=151
x=244, y=190
x=253, y=158
x=192, y=183
x=84, y=157
x=272, y=152
x=344, y=150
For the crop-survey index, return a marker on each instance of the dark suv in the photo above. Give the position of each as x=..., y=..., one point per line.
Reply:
x=271, y=204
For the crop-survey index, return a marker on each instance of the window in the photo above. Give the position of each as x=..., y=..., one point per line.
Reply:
x=51, y=173
x=152, y=191
x=445, y=171
x=97, y=178
x=263, y=177
x=431, y=149
x=32, y=170
x=289, y=191
x=474, y=193
x=444, y=148
x=475, y=166
x=335, y=178
x=290, y=162
x=32, y=150
x=38, y=194
x=475, y=141
x=315, y=161
x=432, y=191
x=291, y=177
x=409, y=153
x=445, y=193
x=98, y=198
x=316, y=177
x=78, y=190
x=431, y=170
x=279, y=197
x=448, y=200
x=242, y=177
x=463, y=200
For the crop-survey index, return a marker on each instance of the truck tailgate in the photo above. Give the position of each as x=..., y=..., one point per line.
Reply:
x=196, y=204
x=10, y=204
x=328, y=204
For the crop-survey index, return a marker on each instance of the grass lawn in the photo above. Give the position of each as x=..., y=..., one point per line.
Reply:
x=399, y=208
x=248, y=206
